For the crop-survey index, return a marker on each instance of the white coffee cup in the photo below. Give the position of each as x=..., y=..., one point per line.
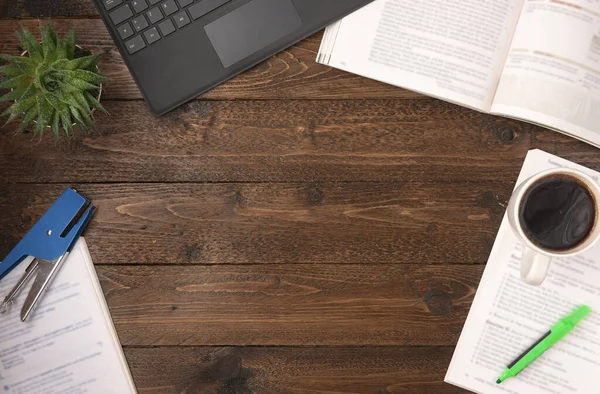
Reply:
x=535, y=259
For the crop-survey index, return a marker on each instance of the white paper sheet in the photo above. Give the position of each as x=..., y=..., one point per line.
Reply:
x=69, y=344
x=508, y=316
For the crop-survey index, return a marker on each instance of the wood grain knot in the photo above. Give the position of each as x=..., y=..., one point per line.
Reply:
x=439, y=303
x=225, y=375
x=315, y=196
x=240, y=200
x=228, y=370
x=502, y=132
x=507, y=135
x=193, y=252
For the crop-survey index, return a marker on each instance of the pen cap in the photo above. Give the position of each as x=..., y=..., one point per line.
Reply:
x=577, y=316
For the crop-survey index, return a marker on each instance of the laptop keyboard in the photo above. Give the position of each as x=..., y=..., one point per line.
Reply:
x=141, y=23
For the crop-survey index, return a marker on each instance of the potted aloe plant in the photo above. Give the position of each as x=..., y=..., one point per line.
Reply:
x=54, y=84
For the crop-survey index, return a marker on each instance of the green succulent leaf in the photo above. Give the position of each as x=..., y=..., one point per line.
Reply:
x=21, y=107
x=81, y=85
x=87, y=118
x=12, y=116
x=66, y=120
x=91, y=77
x=31, y=114
x=65, y=48
x=69, y=44
x=83, y=104
x=54, y=102
x=10, y=71
x=55, y=126
x=60, y=65
x=77, y=116
x=19, y=90
x=45, y=114
x=83, y=63
x=94, y=102
x=31, y=45
x=50, y=41
x=71, y=101
x=25, y=64
x=16, y=82
x=30, y=91
x=13, y=95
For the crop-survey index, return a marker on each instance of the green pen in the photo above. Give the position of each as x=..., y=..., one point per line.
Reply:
x=556, y=333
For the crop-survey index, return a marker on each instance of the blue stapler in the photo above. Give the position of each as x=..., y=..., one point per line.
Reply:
x=49, y=241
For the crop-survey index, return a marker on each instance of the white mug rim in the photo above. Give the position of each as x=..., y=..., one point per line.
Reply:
x=525, y=186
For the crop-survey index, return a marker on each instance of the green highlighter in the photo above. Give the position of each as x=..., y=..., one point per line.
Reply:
x=558, y=332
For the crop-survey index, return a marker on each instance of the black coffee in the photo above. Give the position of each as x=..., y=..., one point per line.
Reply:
x=558, y=213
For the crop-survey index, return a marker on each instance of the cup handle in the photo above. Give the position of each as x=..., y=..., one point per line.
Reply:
x=534, y=266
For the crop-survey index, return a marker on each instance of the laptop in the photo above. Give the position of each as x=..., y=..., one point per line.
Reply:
x=179, y=49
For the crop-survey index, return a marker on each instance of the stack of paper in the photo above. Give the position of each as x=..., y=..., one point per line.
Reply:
x=508, y=316
x=69, y=345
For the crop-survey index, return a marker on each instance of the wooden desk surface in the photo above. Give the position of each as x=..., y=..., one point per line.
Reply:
x=298, y=229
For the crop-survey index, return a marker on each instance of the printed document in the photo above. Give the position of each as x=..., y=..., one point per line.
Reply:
x=508, y=316
x=69, y=344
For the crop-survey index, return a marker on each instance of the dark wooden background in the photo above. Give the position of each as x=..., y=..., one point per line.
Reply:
x=298, y=229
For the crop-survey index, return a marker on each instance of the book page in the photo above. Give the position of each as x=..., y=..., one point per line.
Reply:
x=552, y=72
x=450, y=49
x=508, y=316
x=68, y=345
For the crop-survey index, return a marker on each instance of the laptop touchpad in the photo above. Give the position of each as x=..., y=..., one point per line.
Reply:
x=252, y=27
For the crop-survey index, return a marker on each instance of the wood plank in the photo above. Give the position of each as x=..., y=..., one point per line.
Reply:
x=290, y=304
x=291, y=370
x=367, y=223
x=283, y=141
x=292, y=74
x=47, y=8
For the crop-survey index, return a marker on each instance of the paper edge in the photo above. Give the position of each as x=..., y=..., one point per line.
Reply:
x=109, y=324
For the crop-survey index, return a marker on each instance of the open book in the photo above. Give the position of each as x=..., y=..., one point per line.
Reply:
x=508, y=316
x=535, y=60
x=69, y=344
